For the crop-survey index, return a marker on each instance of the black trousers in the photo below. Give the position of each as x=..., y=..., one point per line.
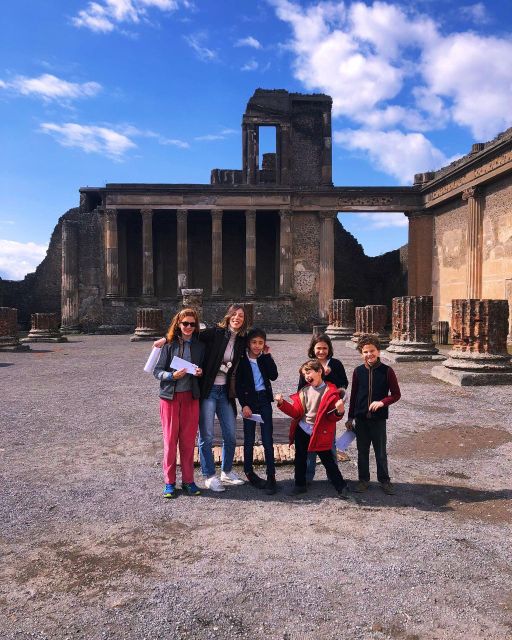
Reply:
x=326, y=457
x=371, y=432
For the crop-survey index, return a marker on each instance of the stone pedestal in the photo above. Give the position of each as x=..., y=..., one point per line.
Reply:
x=318, y=329
x=150, y=324
x=9, y=340
x=45, y=328
x=341, y=319
x=442, y=331
x=479, y=355
x=411, y=340
x=370, y=319
x=193, y=299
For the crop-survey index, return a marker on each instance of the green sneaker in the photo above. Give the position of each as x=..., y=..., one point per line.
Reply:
x=191, y=488
x=169, y=491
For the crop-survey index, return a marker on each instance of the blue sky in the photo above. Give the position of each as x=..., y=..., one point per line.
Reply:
x=154, y=91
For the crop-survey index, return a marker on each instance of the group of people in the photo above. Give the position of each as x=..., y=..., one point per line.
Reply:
x=202, y=373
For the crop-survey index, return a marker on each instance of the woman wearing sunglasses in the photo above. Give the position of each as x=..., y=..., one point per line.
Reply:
x=179, y=399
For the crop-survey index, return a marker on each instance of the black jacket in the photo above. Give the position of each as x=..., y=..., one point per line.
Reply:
x=215, y=341
x=337, y=375
x=167, y=353
x=245, y=389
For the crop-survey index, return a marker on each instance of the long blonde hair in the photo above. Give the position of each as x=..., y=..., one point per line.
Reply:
x=174, y=330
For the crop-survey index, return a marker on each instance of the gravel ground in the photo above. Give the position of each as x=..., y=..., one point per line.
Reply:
x=91, y=550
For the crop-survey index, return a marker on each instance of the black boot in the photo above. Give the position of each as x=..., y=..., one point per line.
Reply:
x=255, y=480
x=271, y=485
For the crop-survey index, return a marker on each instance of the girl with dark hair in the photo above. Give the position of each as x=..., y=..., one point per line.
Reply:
x=179, y=399
x=320, y=348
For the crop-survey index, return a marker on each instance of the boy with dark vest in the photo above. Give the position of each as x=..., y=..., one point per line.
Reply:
x=374, y=387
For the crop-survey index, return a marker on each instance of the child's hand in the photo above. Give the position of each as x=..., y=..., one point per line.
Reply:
x=279, y=399
x=180, y=373
x=349, y=424
x=246, y=412
x=327, y=370
x=266, y=349
x=159, y=343
x=376, y=405
x=199, y=372
x=340, y=407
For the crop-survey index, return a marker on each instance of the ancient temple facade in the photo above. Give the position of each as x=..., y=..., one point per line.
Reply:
x=263, y=234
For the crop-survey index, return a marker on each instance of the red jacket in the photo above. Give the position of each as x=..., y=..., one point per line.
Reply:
x=324, y=428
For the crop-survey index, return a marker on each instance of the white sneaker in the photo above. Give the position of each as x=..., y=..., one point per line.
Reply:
x=231, y=478
x=214, y=484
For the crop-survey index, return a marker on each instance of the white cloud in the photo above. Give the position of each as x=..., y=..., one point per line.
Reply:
x=196, y=42
x=477, y=13
x=91, y=139
x=130, y=130
x=396, y=153
x=211, y=137
x=248, y=42
x=105, y=15
x=50, y=87
x=252, y=65
x=19, y=258
x=385, y=220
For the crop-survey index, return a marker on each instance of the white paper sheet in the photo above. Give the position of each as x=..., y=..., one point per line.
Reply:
x=343, y=441
x=254, y=416
x=152, y=360
x=179, y=363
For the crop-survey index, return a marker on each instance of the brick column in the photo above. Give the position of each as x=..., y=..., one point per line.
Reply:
x=326, y=277
x=216, y=253
x=341, y=319
x=182, y=249
x=474, y=243
x=284, y=153
x=479, y=334
x=45, y=328
x=250, y=253
x=148, y=283
x=70, y=303
x=252, y=153
x=150, y=324
x=411, y=339
x=9, y=340
x=111, y=254
x=371, y=319
x=359, y=313
x=420, y=247
x=285, y=252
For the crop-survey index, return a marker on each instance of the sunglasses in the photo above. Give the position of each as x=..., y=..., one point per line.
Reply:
x=188, y=324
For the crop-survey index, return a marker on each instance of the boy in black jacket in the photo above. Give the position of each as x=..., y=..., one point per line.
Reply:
x=256, y=369
x=374, y=388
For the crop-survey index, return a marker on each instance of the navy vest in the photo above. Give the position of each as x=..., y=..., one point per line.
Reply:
x=372, y=384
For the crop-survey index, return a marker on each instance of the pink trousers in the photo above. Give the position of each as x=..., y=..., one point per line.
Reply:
x=179, y=417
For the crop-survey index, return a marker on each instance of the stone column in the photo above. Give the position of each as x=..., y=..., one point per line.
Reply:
x=411, y=339
x=9, y=340
x=326, y=277
x=284, y=153
x=250, y=253
x=148, y=282
x=111, y=254
x=70, y=304
x=371, y=319
x=216, y=253
x=182, y=249
x=45, y=328
x=285, y=253
x=474, y=243
x=442, y=331
x=479, y=355
x=359, y=322
x=341, y=319
x=193, y=299
x=150, y=324
x=252, y=154
x=420, y=247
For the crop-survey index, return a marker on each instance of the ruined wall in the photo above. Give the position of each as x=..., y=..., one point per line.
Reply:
x=306, y=266
x=306, y=144
x=497, y=240
x=449, y=257
x=91, y=269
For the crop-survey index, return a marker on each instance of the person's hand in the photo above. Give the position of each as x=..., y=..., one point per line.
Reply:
x=246, y=412
x=266, y=349
x=199, y=372
x=341, y=391
x=340, y=407
x=279, y=399
x=349, y=424
x=180, y=373
x=327, y=370
x=376, y=405
x=159, y=343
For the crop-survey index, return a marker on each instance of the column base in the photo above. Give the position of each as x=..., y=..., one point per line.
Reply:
x=402, y=351
x=145, y=336
x=40, y=338
x=70, y=331
x=339, y=333
x=471, y=378
x=14, y=347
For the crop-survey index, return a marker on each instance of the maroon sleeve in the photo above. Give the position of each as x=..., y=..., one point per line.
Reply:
x=353, y=395
x=394, y=389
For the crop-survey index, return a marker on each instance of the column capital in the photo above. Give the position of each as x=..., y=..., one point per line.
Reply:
x=284, y=213
x=216, y=213
x=471, y=192
x=110, y=212
x=326, y=215
x=182, y=213
x=146, y=211
x=250, y=213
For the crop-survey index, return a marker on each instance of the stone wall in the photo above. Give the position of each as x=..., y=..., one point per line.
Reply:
x=306, y=266
x=307, y=142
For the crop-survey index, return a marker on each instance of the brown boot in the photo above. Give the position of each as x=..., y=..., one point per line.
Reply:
x=361, y=486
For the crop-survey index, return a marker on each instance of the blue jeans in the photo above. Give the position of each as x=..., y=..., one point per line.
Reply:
x=216, y=403
x=265, y=410
x=311, y=468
